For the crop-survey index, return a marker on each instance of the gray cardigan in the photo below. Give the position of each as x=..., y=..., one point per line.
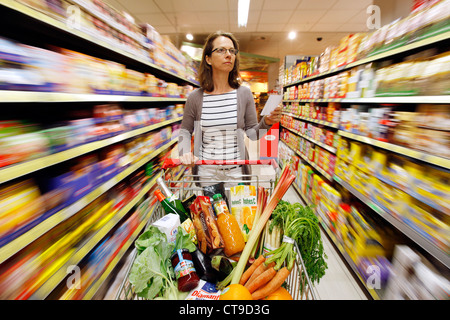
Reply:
x=247, y=123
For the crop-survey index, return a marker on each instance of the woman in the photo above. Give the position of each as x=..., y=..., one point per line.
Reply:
x=220, y=112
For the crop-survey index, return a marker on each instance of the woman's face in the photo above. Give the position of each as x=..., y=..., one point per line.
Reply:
x=221, y=62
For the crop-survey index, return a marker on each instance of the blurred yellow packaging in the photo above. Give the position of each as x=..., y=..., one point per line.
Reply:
x=361, y=240
x=243, y=206
x=431, y=184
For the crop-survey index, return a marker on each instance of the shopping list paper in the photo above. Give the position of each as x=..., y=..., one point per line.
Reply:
x=273, y=101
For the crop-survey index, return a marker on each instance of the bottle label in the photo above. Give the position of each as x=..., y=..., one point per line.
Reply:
x=184, y=266
x=172, y=198
x=221, y=207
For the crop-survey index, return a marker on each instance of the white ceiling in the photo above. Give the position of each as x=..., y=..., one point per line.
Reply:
x=268, y=19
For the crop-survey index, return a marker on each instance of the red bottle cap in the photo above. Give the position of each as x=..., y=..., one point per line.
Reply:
x=159, y=195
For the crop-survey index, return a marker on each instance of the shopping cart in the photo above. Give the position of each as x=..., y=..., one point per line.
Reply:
x=298, y=283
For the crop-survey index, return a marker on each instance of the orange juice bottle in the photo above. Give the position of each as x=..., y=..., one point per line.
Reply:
x=228, y=227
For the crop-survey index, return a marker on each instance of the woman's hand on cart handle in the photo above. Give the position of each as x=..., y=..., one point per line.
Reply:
x=188, y=159
x=170, y=163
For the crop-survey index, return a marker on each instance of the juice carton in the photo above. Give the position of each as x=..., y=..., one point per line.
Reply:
x=243, y=207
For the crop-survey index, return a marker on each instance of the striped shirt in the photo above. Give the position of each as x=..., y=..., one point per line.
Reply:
x=219, y=125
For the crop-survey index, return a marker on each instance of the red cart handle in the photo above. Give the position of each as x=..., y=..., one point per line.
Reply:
x=171, y=163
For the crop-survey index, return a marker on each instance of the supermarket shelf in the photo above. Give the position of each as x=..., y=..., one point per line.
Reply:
x=97, y=284
x=323, y=145
x=322, y=122
x=40, y=96
x=315, y=166
x=20, y=242
x=417, y=238
x=350, y=262
x=65, y=27
x=419, y=155
x=403, y=49
x=23, y=168
x=89, y=7
x=86, y=247
x=381, y=100
x=94, y=288
x=300, y=193
x=412, y=193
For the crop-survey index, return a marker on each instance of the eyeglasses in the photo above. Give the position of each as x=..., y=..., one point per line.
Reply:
x=232, y=51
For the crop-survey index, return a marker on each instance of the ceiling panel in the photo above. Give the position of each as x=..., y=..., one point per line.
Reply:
x=252, y=22
x=254, y=5
x=337, y=16
x=306, y=16
x=139, y=6
x=154, y=19
x=324, y=27
x=187, y=18
x=270, y=19
x=166, y=30
x=199, y=29
x=164, y=5
x=351, y=4
x=275, y=5
x=360, y=17
x=270, y=27
x=251, y=27
x=353, y=27
x=213, y=17
x=317, y=4
x=272, y=16
x=202, y=5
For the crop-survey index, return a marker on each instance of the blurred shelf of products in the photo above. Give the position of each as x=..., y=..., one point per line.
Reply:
x=366, y=126
x=83, y=133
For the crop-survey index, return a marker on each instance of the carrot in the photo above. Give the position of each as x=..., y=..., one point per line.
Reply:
x=273, y=284
x=261, y=268
x=262, y=279
x=251, y=269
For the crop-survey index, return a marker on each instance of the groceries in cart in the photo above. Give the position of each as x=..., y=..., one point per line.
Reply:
x=245, y=247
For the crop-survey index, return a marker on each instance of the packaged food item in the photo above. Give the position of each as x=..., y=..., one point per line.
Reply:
x=208, y=235
x=353, y=45
x=228, y=227
x=204, y=291
x=169, y=226
x=433, y=116
x=243, y=207
x=188, y=226
x=184, y=270
x=20, y=203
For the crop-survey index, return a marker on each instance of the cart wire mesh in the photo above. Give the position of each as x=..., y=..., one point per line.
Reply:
x=298, y=283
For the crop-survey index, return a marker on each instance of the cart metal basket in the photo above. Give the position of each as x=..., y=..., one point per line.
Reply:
x=298, y=282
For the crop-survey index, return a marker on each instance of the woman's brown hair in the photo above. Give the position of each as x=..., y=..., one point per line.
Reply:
x=205, y=70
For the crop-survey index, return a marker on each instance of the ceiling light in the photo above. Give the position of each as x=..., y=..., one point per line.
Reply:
x=292, y=35
x=243, y=8
x=190, y=37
